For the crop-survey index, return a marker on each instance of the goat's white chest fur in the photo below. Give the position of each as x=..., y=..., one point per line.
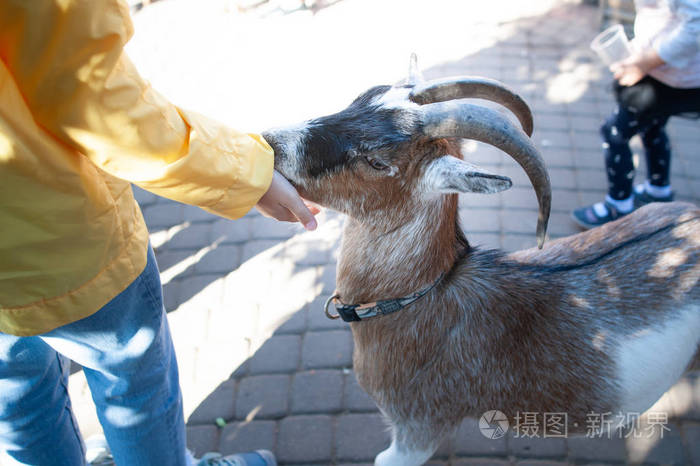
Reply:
x=651, y=360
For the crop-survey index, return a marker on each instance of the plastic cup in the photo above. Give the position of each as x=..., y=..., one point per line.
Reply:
x=612, y=45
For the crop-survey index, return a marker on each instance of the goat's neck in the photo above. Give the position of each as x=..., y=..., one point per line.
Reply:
x=393, y=257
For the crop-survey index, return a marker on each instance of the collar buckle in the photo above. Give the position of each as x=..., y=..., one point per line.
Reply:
x=326, y=309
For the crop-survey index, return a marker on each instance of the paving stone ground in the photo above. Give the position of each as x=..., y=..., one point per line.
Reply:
x=245, y=297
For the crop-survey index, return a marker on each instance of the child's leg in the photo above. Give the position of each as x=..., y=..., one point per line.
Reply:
x=619, y=166
x=658, y=152
x=37, y=426
x=616, y=133
x=129, y=362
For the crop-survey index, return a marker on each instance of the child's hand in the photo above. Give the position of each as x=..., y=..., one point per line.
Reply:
x=630, y=71
x=282, y=202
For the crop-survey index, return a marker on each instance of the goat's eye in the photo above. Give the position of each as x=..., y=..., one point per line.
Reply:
x=376, y=164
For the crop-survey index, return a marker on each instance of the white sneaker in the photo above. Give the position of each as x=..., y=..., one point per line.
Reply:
x=97, y=452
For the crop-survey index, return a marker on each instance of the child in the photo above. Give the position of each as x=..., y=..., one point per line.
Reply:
x=78, y=278
x=660, y=79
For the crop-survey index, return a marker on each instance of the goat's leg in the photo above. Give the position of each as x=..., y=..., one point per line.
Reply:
x=408, y=448
x=402, y=455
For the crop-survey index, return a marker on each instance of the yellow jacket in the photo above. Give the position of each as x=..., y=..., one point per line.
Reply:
x=77, y=125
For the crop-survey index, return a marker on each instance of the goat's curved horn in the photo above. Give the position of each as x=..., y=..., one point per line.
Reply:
x=441, y=90
x=463, y=120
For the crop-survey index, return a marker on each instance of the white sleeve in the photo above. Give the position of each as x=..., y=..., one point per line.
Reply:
x=683, y=42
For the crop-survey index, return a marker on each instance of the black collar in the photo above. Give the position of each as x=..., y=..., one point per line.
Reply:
x=358, y=312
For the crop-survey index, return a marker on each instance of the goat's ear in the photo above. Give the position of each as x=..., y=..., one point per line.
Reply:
x=448, y=174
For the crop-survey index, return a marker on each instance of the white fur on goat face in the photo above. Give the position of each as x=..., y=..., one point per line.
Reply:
x=289, y=150
x=396, y=98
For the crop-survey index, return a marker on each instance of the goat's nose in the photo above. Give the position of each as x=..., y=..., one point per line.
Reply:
x=277, y=147
x=271, y=139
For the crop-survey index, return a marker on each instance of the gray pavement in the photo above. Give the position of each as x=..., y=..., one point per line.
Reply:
x=245, y=297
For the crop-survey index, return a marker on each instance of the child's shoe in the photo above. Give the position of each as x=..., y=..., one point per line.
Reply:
x=642, y=197
x=596, y=215
x=97, y=451
x=256, y=458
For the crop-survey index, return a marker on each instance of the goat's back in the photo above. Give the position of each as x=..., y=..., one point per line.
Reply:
x=626, y=276
x=652, y=221
x=650, y=256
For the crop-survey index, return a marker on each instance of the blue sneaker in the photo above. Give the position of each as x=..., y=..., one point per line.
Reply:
x=642, y=197
x=256, y=458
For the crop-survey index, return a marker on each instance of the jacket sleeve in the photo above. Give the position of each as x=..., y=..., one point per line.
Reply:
x=67, y=58
x=683, y=42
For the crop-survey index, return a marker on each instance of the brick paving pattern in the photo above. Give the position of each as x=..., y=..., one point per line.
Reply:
x=245, y=297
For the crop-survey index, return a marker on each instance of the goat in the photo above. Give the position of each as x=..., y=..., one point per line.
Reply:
x=604, y=321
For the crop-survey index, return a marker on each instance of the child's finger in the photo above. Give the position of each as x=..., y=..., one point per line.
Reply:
x=312, y=206
x=297, y=207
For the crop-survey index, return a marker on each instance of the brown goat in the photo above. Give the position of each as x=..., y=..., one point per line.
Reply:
x=601, y=322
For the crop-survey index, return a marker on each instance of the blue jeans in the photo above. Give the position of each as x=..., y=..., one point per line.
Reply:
x=129, y=362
